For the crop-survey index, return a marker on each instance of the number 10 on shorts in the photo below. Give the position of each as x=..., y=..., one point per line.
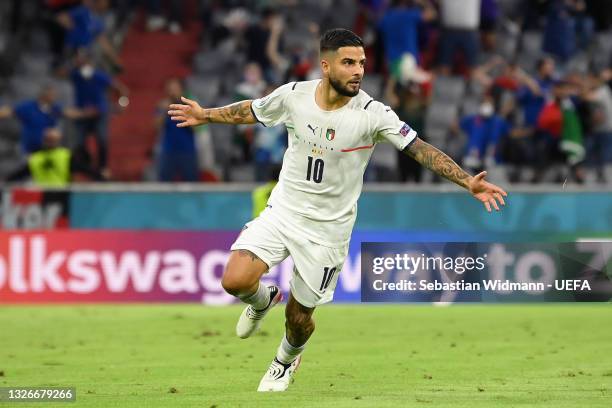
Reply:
x=328, y=274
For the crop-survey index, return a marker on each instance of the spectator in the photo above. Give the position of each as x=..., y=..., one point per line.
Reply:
x=410, y=103
x=91, y=86
x=484, y=130
x=53, y=165
x=264, y=45
x=599, y=145
x=55, y=31
x=583, y=22
x=532, y=95
x=178, y=159
x=157, y=21
x=559, y=31
x=549, y=132
x=252, y=85
x=261, y=194
x=399, y=29
x=266, y=146
x=489, y=18
x=39, y=114
x=84, y=26
x=460, y=21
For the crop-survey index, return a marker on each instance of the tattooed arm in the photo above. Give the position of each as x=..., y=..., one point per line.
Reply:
x=438, y=162
x=192, y=114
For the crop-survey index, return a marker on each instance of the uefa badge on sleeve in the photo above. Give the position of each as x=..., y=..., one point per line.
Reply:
x=405, y=130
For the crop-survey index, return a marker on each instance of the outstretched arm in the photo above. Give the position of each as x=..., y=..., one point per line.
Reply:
x=192, y=114
x=438, y=162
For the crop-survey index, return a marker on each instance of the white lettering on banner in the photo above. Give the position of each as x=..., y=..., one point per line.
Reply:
x=17, y=267
x=81, y=265
x=210, y=281
x=2, y=272
x=27, y=265
x=286, y=273
x=178, y=274
x=351, y=274
x=30, y=216
x=539, y=260
x=10, y=212
x=498, y=260
x=129, y=265
x=45, y=268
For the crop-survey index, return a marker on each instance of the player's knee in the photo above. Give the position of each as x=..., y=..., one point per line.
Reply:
x=233, y=284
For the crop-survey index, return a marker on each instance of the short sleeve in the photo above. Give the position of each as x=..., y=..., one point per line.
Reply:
x=389, y=127
x=271, y=110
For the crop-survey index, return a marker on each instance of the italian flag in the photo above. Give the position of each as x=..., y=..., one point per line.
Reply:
x=571, y=135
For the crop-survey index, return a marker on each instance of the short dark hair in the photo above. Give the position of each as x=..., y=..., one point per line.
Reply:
x=335, y=38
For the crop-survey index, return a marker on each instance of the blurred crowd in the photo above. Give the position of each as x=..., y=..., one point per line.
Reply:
x=517, y=87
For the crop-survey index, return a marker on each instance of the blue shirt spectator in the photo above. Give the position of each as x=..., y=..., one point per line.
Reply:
x=178, y=158
x=91, y=88
x=483, y=132
x=559, y=32
x=86, y=27
x=176, y=139
x=34, y=120
x=399, y=29
x=532, y=103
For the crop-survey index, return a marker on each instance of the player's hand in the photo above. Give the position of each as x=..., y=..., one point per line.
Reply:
x=487, y=193
x=188, y=114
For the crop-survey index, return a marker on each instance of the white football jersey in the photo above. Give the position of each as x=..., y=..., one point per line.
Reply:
x=328, y=151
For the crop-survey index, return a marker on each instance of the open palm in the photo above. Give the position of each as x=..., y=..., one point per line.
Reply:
x=188, y=114
x=487, y=193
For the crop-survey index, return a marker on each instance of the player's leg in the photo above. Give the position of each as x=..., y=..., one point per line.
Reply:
x=313, y=283
x=254, y=252
x=299, y=326
x=242, y=273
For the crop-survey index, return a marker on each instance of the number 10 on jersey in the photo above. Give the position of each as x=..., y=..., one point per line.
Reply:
x=315, y=171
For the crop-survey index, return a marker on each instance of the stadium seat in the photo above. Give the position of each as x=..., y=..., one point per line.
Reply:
x=205, y=63
x=65, y=92
x=385, y=155
x=204, y=90
x=441, y=114
x=373, y=85
x=242, y=173
x=579, y=63
x=448, y=89
x=470, y=106
x=35, y=64
x=26, y=87
x=531, y=43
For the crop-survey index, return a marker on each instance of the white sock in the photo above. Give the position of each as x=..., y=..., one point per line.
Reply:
x=287, y=353
x=260, y=299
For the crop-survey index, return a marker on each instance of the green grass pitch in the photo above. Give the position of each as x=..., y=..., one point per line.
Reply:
x=359, y=356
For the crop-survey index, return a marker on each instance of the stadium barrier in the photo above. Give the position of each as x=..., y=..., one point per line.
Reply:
x=122, y=243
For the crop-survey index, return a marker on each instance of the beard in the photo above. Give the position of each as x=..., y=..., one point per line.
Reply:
x=342, y=89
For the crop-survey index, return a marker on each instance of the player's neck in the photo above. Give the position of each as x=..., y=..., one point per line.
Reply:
x=327, y=98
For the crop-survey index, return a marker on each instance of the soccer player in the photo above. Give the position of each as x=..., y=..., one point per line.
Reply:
x=333, y=128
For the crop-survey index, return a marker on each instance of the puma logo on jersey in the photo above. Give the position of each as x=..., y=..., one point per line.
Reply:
x=312, y=129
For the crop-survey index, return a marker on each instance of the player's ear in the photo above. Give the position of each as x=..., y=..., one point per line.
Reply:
x=324, y=67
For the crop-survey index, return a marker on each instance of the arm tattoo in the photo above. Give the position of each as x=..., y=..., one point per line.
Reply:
x=246, y=252
x=236, y=113
x=437, y=161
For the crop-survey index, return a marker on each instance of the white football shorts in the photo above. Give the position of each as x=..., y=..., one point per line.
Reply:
x=317, y=267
